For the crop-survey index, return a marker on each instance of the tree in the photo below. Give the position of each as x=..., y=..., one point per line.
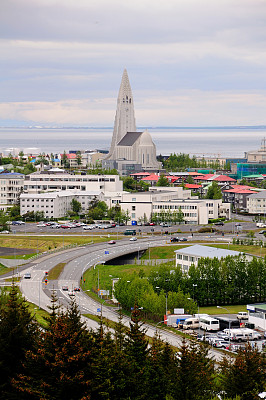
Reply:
x=214, y=191
x=163, y=181
x=75, y=206
x=79, y=158
x=180, y=216
x=244, y=375
x=195, y=372
x=3, y=221
x=18, y=333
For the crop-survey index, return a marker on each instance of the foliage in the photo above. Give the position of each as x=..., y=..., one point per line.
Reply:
x=162, y=181
x=132, y=185
x=214, y=191
x=68, y=361
x=75, y=206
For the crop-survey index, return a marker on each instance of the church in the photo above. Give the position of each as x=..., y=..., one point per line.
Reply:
x=130, y=151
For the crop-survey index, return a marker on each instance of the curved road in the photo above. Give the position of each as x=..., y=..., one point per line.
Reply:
x=77, y=261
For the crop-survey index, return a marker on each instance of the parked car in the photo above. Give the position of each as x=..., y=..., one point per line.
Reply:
x=5, y=232
x=219, y=223
x=221, y=344
x=262, y=232
x=41, y=225
x=183, y=239
x=55, y=226
x=112, y=242
x=133, y=239
x=152, y=224
x=223, y=335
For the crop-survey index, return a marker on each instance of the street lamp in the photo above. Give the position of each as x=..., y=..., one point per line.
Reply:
x=189, y=298
x=229, y=323
x=194, y=285
x=99, y=262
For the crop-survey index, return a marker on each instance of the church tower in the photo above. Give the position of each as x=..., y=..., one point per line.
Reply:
x=125, y=116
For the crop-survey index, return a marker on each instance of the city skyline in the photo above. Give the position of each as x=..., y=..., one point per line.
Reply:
x=190, y=63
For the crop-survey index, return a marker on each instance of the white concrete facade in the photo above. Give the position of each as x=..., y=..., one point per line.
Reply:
x=56, y=179
x=56, y=204
x=192, y=254
x=256, y=203
x=196, y=211
x=11, y=185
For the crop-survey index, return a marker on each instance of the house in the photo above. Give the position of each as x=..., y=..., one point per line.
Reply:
x=192, y=254
x=256, y=203
x=237, y=195
x=11, y=186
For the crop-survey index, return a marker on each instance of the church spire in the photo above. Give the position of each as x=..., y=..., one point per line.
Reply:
x=125, y=115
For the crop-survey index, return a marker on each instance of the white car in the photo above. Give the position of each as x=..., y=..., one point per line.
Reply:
x=133, y=239
x=41, y=225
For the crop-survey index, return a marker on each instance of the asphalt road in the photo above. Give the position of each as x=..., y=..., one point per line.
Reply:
x=78, y=260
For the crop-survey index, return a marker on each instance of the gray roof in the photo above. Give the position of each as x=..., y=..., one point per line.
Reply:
x=205, y=251
x=129, y=139
x=259, y=195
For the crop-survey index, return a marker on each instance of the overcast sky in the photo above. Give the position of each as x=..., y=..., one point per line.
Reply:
x=190, y=62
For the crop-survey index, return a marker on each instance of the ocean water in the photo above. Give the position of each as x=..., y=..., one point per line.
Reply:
x=224, y=142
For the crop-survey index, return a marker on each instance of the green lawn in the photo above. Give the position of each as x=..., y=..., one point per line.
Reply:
x=213, y=310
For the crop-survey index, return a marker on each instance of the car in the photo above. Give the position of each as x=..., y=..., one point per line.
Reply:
x=72, y=293
x=122, y=224
x=183, y=239
x=223, y=335
x=41, y=225
x=18, y=222
x=174, y=239
x=55, y=226
x=66, y=226
x=152, y=224
x=5, y=232
x=262, y=232
x=76, y=289
x=27, y=275
x=242, y=315
x=238, y=224
x=133, y=239
x=221, y=344
x=112, y=242
x=65, y=288
x=87, y=228
x=219, y=223
x=139, y=223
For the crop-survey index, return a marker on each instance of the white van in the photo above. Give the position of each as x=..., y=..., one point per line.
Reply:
x=242, y=315
x=191, y=323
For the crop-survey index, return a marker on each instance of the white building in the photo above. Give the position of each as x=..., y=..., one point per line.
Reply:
x=58, y=179
x=256, y=203
x=11, y=185
x=56, y=204
x=257, y=315
x=192, y=254
x=161, y=200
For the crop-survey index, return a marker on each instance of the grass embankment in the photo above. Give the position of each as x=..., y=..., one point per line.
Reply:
x=38, y=314
x=45, y=243
x=55, y=272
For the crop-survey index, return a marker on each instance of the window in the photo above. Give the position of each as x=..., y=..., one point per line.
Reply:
x=134, y=199
x=133, y=208
x=133, y=215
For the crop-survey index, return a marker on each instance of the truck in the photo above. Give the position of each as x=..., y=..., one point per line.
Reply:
x=177, y=319
x=130, y=232
x=242, y=334
x=260, y=225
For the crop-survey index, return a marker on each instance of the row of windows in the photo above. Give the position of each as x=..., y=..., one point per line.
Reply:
x=185, y=258
x=73, y=179
x=174, y=207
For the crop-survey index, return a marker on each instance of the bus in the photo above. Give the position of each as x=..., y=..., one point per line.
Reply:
x=226, y=322
x=130, y=232
x=209, y=324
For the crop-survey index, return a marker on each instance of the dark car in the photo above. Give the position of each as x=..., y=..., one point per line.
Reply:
x=262, y=232
x=183, y=239
x=76, y=289
x=173, y=239
x=64, y=288
x=219, y=223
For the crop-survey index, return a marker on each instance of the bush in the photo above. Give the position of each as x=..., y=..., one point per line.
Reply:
x=207, y=229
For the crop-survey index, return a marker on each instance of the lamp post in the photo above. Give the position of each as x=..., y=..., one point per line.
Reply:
x=229, y=323
x=194, y=285
x=99, y=262
x=189, y=298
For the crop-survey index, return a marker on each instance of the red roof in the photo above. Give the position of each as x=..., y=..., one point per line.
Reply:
x=192, y=186
x=243, y=187
x=224, y=178
x=241, y=191
x=151, y=177
x=140, y=174
x=71, y=156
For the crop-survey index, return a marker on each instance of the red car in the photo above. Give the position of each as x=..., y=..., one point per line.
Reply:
x=111, y=242
x=152, y=224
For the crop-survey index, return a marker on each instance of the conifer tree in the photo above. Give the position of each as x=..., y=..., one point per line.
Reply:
x=246, y=374
x=18, y=333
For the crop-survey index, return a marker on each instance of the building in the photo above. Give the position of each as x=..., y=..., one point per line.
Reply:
x=162, y=200
x=56, y=204
x=192, y=254
x=128, y=145
x=11, y=186
x=57, y=179
x=237, y=195
x=257, y=315
x=257, y=156
x=256, y=203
